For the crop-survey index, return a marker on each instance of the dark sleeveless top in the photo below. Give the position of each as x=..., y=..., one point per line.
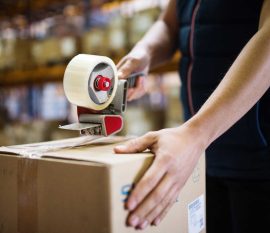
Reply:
x=211, y=35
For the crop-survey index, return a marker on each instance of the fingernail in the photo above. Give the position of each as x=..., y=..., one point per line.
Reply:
x=131, y=205
x=134, y=220
x=144, y=225
x=157, y=221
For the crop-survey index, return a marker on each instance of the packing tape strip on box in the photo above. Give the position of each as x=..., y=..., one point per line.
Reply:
x=80, y=77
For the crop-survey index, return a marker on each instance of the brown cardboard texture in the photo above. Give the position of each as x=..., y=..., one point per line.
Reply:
x=83, y=190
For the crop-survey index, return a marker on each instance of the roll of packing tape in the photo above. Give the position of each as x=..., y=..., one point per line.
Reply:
x=90, y=81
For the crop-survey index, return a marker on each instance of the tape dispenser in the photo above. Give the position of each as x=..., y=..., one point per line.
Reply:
x=91, y=83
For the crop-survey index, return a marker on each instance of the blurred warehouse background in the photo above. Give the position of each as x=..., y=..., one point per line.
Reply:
x=39, y=37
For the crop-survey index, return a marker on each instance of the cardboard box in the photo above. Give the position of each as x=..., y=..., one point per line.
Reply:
x=47, y=189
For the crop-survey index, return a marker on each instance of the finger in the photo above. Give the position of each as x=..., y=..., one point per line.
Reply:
x=139, y=90
x=155, y=201
x=120, y=66
x=137, y=94
x=130, y=92
x=121, y=62
x=126, y=69
x=163, y=204
x=148, y=182
x=136, y=145
x=158, y=219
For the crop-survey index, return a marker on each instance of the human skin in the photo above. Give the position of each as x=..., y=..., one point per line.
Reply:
x=156, y=47
x=177, y=150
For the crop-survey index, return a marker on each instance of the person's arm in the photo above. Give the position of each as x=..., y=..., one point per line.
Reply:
x=243, y=85
x=178, y=149
x=160, y=42
x=156, y=47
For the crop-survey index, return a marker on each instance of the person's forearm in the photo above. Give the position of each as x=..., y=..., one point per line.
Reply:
x=244, y=84
x=158, y=43
x=161, y=39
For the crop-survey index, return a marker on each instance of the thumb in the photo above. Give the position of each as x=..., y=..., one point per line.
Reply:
x=136, y=145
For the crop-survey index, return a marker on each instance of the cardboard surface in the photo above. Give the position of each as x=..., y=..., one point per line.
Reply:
x=83, y=189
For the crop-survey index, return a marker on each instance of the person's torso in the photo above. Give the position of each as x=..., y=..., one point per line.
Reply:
x=211, y=35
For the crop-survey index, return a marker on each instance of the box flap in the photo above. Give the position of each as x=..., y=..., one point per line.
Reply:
x=86, y=148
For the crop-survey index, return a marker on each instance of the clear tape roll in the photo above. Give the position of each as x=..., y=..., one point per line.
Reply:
x=77, y=78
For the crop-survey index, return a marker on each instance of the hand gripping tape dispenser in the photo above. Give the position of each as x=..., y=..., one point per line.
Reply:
x=91, y=83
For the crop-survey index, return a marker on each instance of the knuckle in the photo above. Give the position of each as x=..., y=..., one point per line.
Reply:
x=166, y=159
x=148, y=182
x=157, y=196
x=164, y=202
x=125, y=69
x=134, y=59
x=135, y=144
x=150, y=134
x=135, y=197
x=131, y=62
x=175, y=178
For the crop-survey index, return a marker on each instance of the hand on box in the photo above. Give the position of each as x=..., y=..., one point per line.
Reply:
x=177, y=151
x=136, y=61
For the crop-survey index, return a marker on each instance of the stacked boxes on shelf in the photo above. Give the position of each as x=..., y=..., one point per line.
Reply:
x=54, y=40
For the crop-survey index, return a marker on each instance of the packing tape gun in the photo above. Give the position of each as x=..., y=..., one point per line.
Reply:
x=91, y=83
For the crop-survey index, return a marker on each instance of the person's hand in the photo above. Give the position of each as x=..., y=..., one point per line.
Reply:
x=138, y=60
x=177, y=151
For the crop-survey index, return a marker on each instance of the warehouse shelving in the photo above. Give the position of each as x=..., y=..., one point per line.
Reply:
x=51, y=73
x=55, y=73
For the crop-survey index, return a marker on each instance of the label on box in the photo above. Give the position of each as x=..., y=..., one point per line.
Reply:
x=196, y=219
